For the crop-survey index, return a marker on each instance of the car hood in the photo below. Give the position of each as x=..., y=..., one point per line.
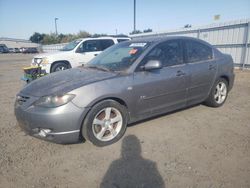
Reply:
x=52, y=54
x=65, y=81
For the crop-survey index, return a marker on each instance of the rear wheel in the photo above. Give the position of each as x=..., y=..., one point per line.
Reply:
x=105, y=123
x=59, y=66
x=218, y=94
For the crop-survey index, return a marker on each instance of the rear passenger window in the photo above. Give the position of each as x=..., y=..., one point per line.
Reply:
x=106, y=43
x=169, y=53
x=198, y=52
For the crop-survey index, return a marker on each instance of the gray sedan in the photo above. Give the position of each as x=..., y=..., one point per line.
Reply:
x=128, y=82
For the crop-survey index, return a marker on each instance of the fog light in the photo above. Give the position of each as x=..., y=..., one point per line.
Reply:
x=44, y=132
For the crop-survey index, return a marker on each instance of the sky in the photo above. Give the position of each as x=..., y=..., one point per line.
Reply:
x=21, y=18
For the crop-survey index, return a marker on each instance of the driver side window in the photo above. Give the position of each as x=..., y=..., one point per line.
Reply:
x=89, y=46
x=170, y=53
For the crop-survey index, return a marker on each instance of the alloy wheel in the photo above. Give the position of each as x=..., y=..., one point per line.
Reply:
x=60, y=68
x=107, y=124
x=220, y=92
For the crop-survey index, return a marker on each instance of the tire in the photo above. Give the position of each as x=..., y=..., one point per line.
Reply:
x=104, y=132
x=59, y=66
x=218, y=95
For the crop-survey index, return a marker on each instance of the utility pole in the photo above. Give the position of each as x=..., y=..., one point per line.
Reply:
x=38, y=39
x=134, y=15
x=56, y=25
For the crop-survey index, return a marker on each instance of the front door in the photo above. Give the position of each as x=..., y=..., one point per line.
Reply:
x=161, y=90
x=87, y=51
x=90, y=49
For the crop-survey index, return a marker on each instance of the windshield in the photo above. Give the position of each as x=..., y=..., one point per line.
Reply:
x=71, y=45
x=119, y=57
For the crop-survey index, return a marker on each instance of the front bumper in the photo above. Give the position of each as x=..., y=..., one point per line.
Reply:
x=60, y=125
x=46, y=68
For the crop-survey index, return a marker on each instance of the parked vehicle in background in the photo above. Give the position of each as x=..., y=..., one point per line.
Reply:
x=128, y=82
x=75, y=53
x=14, y=50
x=30, y=50
x=17, y=50
x=11, y=50
x=3, y=48
x=22, y=49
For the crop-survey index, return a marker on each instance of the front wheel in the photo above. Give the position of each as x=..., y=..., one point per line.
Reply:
x=59, y=67
x=105, y=123
x=218, y=94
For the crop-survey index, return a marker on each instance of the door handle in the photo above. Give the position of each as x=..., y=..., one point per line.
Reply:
x=180, y=73
x=212, y=67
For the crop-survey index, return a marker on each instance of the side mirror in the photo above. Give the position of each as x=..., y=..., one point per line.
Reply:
x=152, y=65
x=81, y=49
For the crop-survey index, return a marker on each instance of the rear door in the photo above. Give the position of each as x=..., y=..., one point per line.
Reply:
x=106, y=43
x=202, y=68
x=161, y=90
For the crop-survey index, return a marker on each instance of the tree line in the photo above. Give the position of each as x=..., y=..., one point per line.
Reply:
x=52, y=38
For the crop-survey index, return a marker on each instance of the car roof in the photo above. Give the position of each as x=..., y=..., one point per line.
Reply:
x=160, y=38
x=105, y=37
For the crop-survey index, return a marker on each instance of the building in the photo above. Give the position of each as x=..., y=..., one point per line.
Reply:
x=231, y=37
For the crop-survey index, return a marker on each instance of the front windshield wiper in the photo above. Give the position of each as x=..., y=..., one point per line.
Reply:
x=98, y=67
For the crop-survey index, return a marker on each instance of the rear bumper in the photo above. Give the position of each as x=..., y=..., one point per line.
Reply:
x=59, y=125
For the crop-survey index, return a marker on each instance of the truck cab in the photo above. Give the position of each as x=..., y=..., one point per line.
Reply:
x=75, y=53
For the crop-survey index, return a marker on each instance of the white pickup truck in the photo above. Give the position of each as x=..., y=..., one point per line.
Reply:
x=75, y=53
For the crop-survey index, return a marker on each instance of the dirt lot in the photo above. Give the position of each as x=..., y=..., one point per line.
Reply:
x=196, y=147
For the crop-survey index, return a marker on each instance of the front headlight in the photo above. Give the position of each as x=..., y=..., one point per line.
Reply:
x=36, y=61
x=39, y=61
x=54, y=100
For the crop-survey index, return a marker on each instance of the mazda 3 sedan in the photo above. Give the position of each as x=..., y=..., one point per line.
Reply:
x=128, y=82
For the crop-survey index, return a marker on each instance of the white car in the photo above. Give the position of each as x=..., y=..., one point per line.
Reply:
x=75, y=53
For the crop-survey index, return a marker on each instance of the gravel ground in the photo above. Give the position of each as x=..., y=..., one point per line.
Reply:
x=195, y=147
